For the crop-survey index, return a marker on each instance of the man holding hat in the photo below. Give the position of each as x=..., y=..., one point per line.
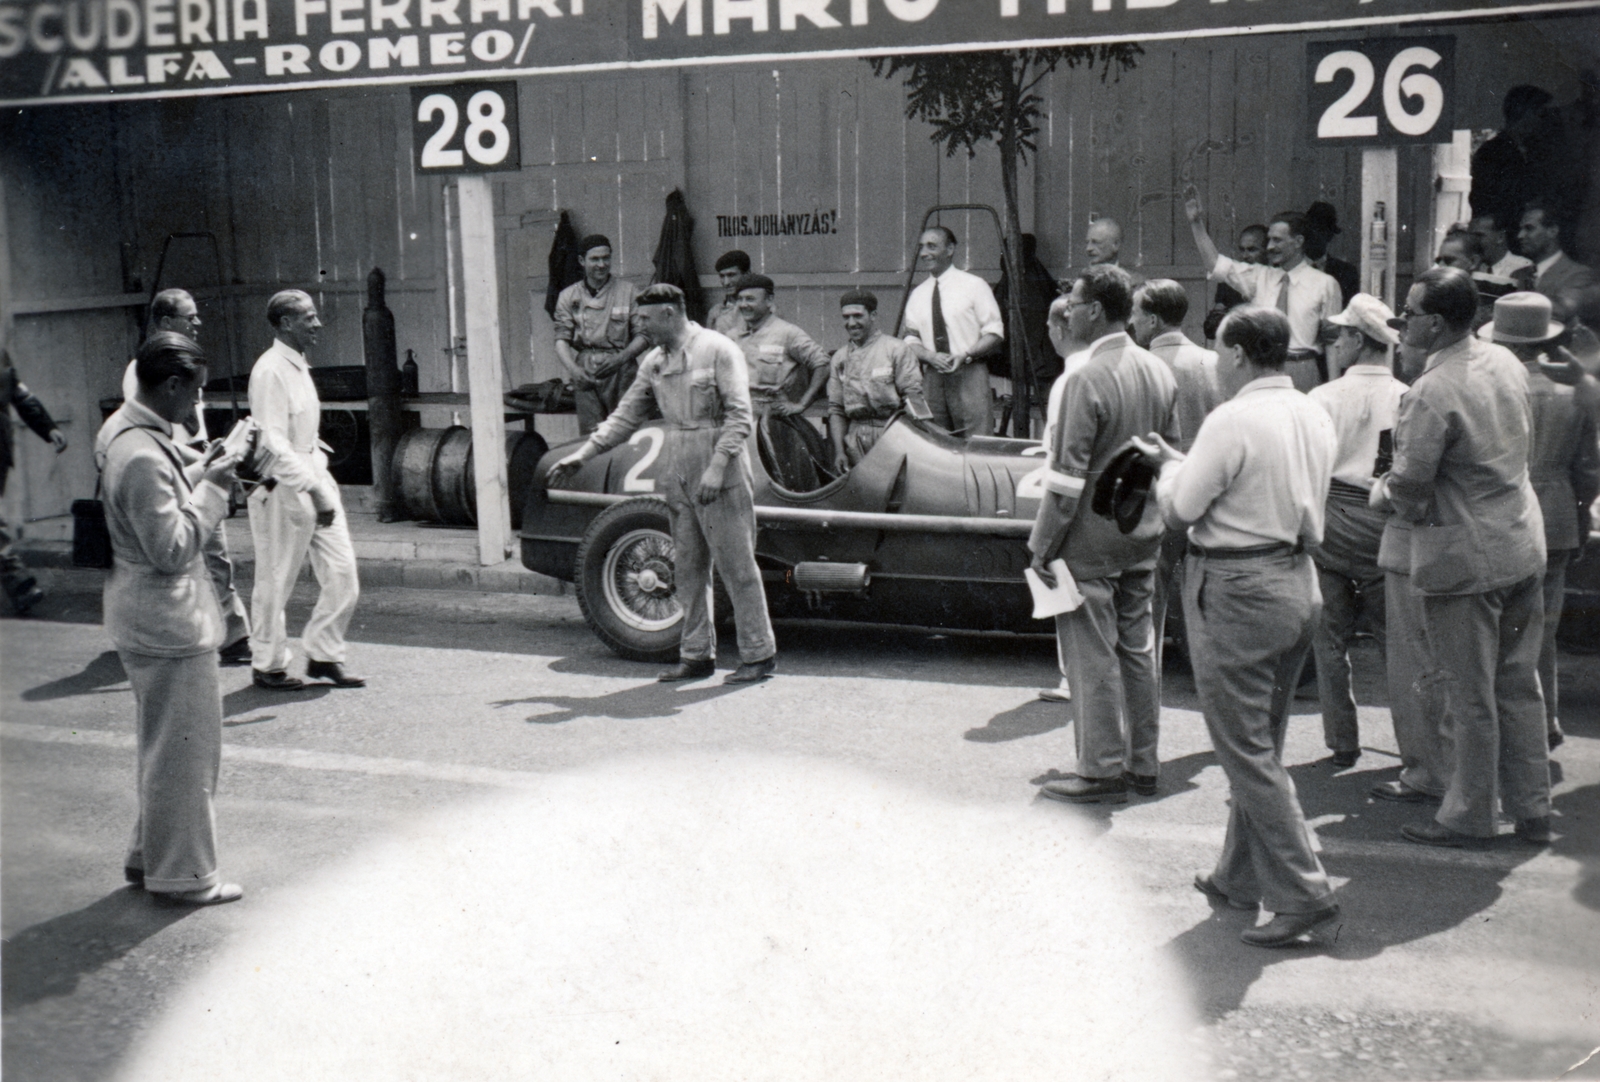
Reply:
x=1364, y=404
x=1563, y=463
x=594, y=335
x=870, y=380
x=1460, y=476
x=725, y=317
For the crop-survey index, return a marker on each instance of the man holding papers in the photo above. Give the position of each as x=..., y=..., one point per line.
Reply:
x=1121, y=391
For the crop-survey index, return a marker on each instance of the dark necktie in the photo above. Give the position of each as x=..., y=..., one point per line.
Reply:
x=941, y=332
x=1283, y=295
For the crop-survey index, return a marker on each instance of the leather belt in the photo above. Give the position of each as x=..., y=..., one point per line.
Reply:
x=1311, y=355
x=1277, y=548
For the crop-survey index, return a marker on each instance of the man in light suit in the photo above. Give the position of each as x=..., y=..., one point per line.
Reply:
x=1573, y=288
x=301, y=514
x=175, y=310
x=162, y=615
x=1120, y=392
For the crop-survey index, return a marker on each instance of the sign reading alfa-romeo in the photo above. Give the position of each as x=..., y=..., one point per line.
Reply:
x=57, y=50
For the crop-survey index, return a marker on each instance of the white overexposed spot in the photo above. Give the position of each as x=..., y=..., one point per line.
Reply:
x=697, y=918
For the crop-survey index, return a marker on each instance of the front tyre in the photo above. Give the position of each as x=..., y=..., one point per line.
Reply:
x=625, y=580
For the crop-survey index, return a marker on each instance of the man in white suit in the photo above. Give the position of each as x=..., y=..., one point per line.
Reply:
x=301, y=514
x=161, y=613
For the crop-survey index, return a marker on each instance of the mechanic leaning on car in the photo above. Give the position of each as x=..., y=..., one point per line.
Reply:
x=869, y=381
x=697, y=379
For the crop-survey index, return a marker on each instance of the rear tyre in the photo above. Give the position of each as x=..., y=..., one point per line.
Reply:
x=625, y=581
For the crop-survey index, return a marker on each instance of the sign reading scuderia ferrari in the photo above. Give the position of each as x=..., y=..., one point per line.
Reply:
x=63, y=50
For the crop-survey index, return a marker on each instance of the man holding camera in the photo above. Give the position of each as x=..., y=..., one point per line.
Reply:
x=296, y=511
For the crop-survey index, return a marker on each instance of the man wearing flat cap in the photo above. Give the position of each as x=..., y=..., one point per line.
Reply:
x=725, y=317
x=1460, y=477
x=1563, y=463
x=1364, y=403
x=595, y=339
x=788, y=370
x=871, y=379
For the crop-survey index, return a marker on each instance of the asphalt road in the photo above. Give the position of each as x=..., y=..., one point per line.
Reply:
x=514, y=853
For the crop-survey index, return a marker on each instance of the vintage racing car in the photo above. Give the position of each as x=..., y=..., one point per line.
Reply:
x=927, y=530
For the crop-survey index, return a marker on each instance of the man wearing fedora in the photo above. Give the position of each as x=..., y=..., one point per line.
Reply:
x=1109, y=644
x=1563, y=460
x=1460, y=476
x=1322, y=225
x=1364, y=403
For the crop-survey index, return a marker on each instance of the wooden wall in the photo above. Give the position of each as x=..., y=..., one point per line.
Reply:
x=312, y=189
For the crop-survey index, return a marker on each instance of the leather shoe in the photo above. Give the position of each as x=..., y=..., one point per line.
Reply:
x=1344, y=760
x=1075, y=789
x=751, y=672
x=1285, y=929
x=26, y=598
x=1535, y=831
x=235, y=653
x=275, y=680
x=220, y=894
x=1401, y=793
x=1061, y=693
x=1556, y=738
x=1205, y=885
x=134, y=876
x=693, y=669
x=1143, y=784
x=1435, y=833
x=333, y=673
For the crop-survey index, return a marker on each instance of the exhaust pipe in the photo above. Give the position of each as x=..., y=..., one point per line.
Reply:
x=822, y=577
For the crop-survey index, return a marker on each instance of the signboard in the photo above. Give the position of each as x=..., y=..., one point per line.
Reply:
x=1381, y=92
x=465, y=128
x=59, y=50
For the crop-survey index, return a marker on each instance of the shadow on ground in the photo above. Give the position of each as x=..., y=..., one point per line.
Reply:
x=49, y=959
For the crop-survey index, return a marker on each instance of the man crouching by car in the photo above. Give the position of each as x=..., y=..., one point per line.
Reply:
x=697, y=379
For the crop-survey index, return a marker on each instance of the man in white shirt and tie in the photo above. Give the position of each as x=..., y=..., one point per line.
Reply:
x=1290, y=284
x=952, y=322
x=299, y=515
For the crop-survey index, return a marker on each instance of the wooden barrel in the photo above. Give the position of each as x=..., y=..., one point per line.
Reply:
x=413, y=472
x=454, y=490
x=436, y=482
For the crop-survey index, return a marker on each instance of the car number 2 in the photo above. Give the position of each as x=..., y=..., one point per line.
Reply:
x=631, y=481
x=1031, y=486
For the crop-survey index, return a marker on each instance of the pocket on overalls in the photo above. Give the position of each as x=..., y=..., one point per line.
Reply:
x=880, y=392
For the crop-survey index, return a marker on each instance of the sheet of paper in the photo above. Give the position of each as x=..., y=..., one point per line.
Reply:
x=1049, y=602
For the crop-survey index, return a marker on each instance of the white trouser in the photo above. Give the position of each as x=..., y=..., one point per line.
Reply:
x=284, y=525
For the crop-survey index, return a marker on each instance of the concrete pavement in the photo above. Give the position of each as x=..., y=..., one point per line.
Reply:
x=498, y=718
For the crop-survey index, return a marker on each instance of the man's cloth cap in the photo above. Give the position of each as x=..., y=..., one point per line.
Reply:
x=1370, y=316
x=754, y=281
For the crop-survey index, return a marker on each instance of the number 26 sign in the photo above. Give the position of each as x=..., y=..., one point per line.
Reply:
x=465, y=128
x=1381, y=91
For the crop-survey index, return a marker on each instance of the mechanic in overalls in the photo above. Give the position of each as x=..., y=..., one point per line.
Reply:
x=869, y=381
x=697, y=379
x=595, y=340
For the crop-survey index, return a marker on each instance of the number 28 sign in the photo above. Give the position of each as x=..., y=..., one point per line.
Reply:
x=465, y=128
x=1381, y=91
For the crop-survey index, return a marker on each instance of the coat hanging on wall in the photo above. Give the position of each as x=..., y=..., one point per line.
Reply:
x=674, y=258
x=566, y=264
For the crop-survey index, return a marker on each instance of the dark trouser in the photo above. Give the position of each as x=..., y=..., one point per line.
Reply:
x=1555, y=588
x=1417, y=699
x=1169, y=585
x=1249, y=623
x=15, y=577
x=1111, y=664
x=596, y=401
x=1344, y=598
x=1488, y=646
x=960, y=401
x=720, y=533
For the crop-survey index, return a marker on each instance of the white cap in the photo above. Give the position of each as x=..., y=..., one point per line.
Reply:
x=1369, y=315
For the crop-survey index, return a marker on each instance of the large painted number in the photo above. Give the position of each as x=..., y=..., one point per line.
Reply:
x=1336, y=121
x=434, y=154
x=1421, y=86
x=486, y=114
x=631, y=481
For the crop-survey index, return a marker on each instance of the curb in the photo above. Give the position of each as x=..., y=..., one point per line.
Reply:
x=509, y=577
